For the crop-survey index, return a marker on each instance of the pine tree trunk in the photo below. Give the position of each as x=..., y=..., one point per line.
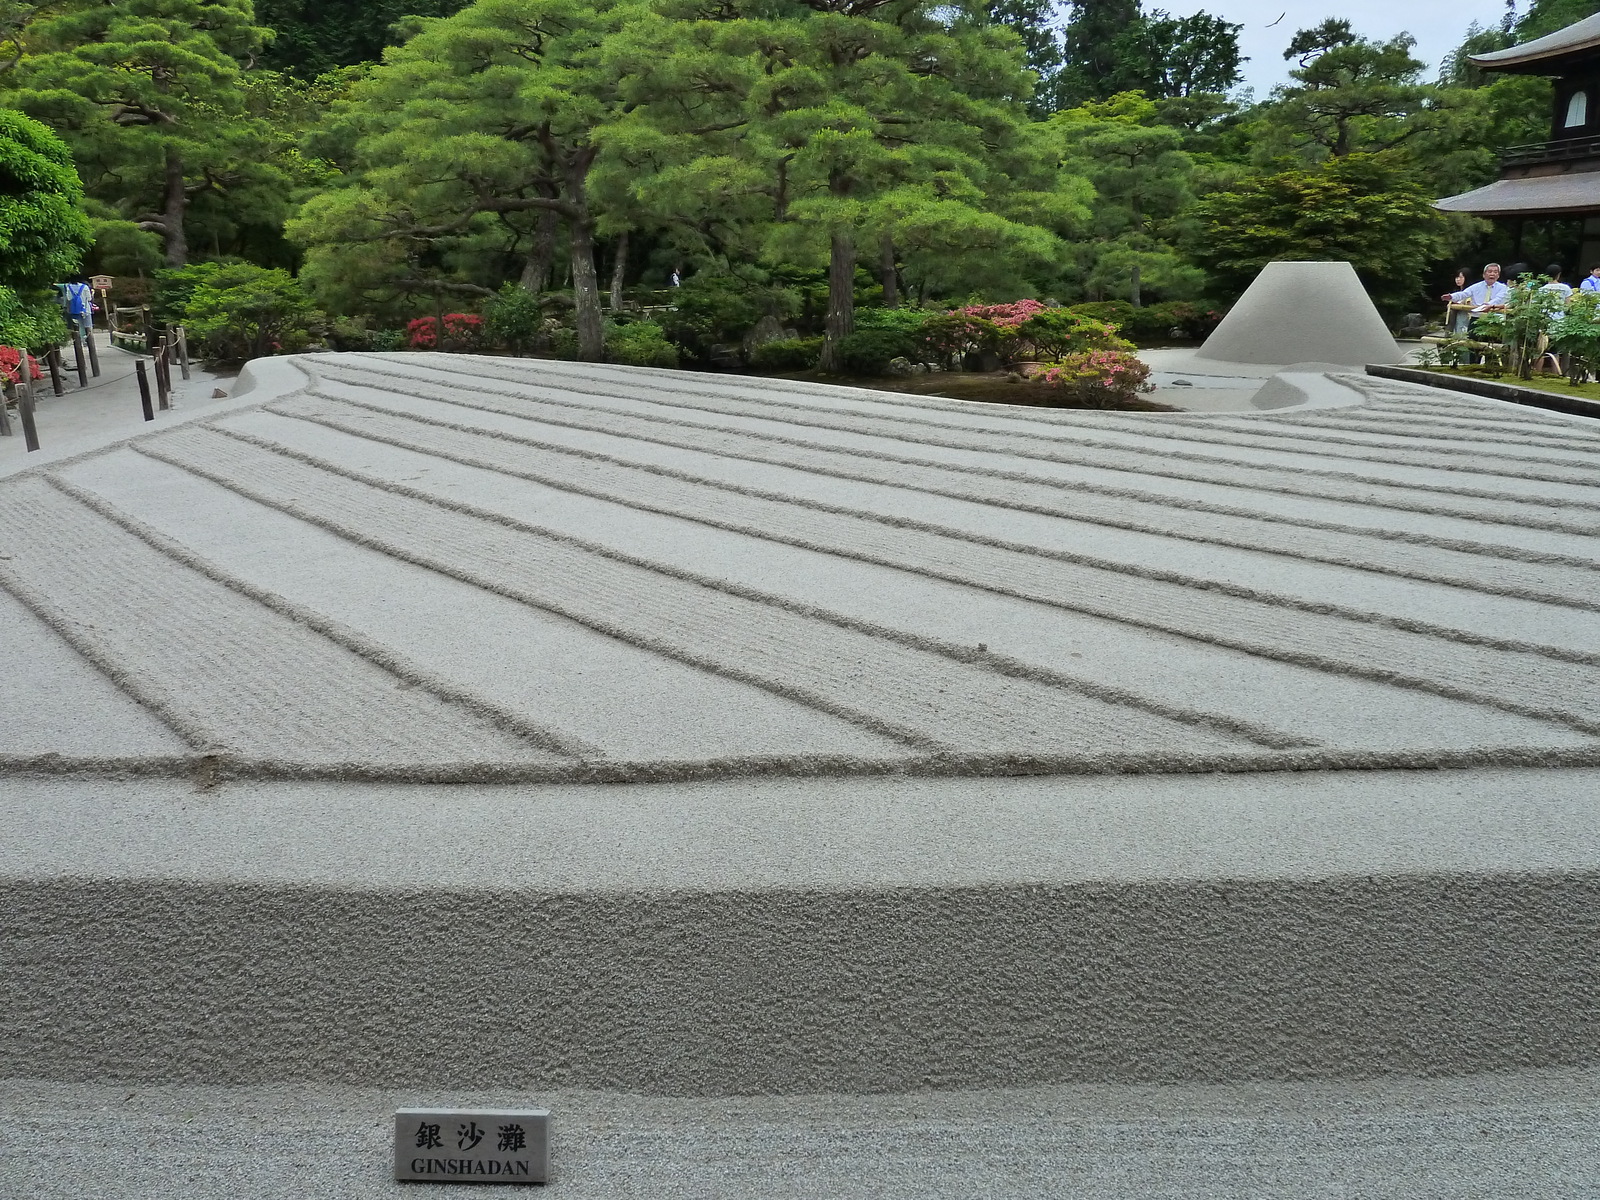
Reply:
x=841, y=320
x=1138, y=293
x=586, y=291
x=619, y=271
x=542, y=255
x=174, y=209
x=891, y=289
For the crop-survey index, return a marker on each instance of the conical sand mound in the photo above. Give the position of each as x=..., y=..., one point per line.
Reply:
x=1303, y=312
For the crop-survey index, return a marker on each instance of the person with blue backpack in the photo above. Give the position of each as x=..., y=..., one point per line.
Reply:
x=77, y=302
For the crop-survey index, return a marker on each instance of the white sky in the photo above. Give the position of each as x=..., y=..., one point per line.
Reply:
x=1438, y=26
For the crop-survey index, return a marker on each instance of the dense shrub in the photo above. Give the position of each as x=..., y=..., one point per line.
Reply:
x=640, y=344
x=1171, y=319
x=1100, y=378
x=564, y=342
x=868, y=351
x=950, y=337
x=1051, y=333
x=241, y=311
x=174, y=287
x=389, y=340
x=787, y=354
x=463, y=333
x=1117, y=312
x=514, y=320
x=904, y=320
x=710, y=310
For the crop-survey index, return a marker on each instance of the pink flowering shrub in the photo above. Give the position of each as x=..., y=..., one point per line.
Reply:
x=1100, y=378
x=462, y=332
x=1007, y=316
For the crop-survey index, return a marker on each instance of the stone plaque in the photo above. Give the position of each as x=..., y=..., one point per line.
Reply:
x=471, y=1145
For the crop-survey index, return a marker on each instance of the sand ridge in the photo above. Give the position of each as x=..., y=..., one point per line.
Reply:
x=922, y=585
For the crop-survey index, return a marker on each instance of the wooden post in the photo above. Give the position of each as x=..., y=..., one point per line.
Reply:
x=183, y=350
x=160, y=360
x=144, y=390
x=6, y=394
x=148, y=326
x=77, y=357
x=30, y=432
x=52, y=359
x=94, y=355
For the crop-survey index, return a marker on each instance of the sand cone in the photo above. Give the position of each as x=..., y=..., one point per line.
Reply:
x=1303, y=312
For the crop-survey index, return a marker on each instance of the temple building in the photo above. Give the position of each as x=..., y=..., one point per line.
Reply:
x=1549, y=192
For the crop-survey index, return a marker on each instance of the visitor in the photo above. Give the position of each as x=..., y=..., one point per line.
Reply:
x=1555, y=285
x=1591, y=282
x=1462, y=275
x=77, y=304
x=1488, y=294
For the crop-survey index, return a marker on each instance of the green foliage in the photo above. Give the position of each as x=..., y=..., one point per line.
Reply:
x=33, y=325
x=514, y=319
x=1575, y=333
x=312, y=37
x=240, y=311
x=1113, y=46
x=175, y=286
x=787, y=354
x=904, y=320
x=869, y=351
x=712, y=308
x=1056, y=332
x=1360, y=208
x=42, y=234
x=1529, y=314
x=120, y=247
x=639, y=344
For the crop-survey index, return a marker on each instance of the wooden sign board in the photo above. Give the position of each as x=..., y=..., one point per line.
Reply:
x=471, y=1145
x=101, y=283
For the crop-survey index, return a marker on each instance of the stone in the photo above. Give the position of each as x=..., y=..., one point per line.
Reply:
x=218, y=394
x=726, y=358
x=768, y=329
x=470, y=1145
x=902, y=366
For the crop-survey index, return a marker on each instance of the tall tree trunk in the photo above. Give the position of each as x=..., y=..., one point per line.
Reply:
x=174, y=208
x=619, y=271
x=891, y=285
x=542, y=254
x=1138, y=295
x=841, y=321
x=586, y=290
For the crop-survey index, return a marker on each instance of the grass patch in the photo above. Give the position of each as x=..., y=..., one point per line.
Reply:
x=1542, y=383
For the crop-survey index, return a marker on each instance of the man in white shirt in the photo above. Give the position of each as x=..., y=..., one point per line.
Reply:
x=1487, y=293
x=1591, y=281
